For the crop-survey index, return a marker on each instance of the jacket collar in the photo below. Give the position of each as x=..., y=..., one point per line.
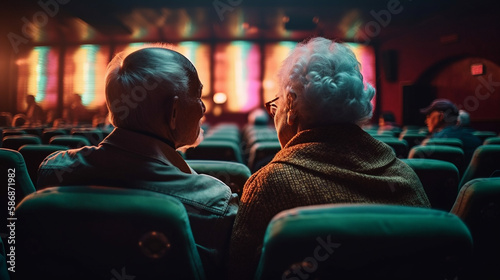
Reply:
x=147, y=146
x=339, y=146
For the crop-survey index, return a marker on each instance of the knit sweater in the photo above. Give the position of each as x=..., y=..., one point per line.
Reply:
x=335, y=164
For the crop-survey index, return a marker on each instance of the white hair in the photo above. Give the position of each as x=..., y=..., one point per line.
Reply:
x=139, y=84
x=329, y=86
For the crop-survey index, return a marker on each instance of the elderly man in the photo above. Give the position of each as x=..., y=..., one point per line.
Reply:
x=154, y=99
x=325, y=157
x=441, y=119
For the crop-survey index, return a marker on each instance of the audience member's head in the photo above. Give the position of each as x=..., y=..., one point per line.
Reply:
x=30, y=99
x=440, y=114
x=320, y=84
x=387, y=118
x=463, y=118
x=155, y=90
x=258, y=117
x=18, y=120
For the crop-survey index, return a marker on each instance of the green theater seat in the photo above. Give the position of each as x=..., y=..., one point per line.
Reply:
x=453, y=142
x=216, y=150
x=364, y=242
x=478, y=205
x=70, y=141
x=233, y=174
x=483, y=135
x=92, y=232
x=439, y=179
x=14, y=142
x=34, y=155
x=440, y=152
x=485, y=161
x=492, y=141
x=12, y=165
x=400, y=147
x=262, y=153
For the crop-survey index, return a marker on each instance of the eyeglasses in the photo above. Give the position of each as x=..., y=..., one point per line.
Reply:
x=271, y=107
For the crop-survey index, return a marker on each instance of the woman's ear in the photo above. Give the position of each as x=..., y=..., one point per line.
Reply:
x=173, y=113
x=291, y=107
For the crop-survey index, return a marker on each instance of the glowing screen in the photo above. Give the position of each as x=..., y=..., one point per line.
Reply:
x=84, y=71
x=243, y=76
x=237, y=74
x=37, y=75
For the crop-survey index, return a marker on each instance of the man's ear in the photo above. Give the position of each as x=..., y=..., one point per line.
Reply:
x=291, y=107
x=173, y=113
x=441, y=116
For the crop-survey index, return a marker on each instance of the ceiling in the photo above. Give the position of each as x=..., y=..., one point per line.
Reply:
x=100, y=21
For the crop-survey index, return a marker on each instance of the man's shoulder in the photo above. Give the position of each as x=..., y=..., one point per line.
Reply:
x=67, y=157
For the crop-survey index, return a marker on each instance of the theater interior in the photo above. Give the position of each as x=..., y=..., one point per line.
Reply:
x=411, y=51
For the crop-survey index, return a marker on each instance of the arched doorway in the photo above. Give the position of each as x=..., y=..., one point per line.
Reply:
x=478, y=94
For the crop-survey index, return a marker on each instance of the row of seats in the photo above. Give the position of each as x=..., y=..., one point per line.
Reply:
x=255, y=146
x=263, y=148
x=147, y=235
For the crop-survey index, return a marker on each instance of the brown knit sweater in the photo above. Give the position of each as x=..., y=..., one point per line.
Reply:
x=335, y=164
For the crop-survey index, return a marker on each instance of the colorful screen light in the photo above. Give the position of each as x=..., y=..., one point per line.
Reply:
x=84, y=72
x=37, y=75
x=237, y=74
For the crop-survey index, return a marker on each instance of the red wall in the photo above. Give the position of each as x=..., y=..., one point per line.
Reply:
x=427, y=44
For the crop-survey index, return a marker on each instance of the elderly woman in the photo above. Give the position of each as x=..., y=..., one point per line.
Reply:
x=326, y=157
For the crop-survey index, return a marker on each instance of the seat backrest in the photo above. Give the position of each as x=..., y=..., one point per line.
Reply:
x=91, y=232
x=439, y=179
x=13, y=131
x=440, y=152
x=364, y=242
x=478, y=205
x=216, y=150
x=14, y=142
x=485, y=161
x=233, y=174
x=400, y=147
x=34, y=155
x=47, y=134
x=413, y=139
x=262, y=153
x=483, y=135
x=94, y=136
x=17, y=183
x=492, y=141
x=71, y=141
x=454, y=142
x=4, y=274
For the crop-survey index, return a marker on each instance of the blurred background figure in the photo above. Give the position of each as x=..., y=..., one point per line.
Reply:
x=258, y=116
x=387, y=119
x=442, y=121
x=34, y=113
x=19, y=120
x=76, y=113
x=100, y=119
x=5, y=119
x=463, y=119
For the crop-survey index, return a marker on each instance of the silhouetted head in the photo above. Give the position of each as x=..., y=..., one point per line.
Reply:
x=441, y=113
